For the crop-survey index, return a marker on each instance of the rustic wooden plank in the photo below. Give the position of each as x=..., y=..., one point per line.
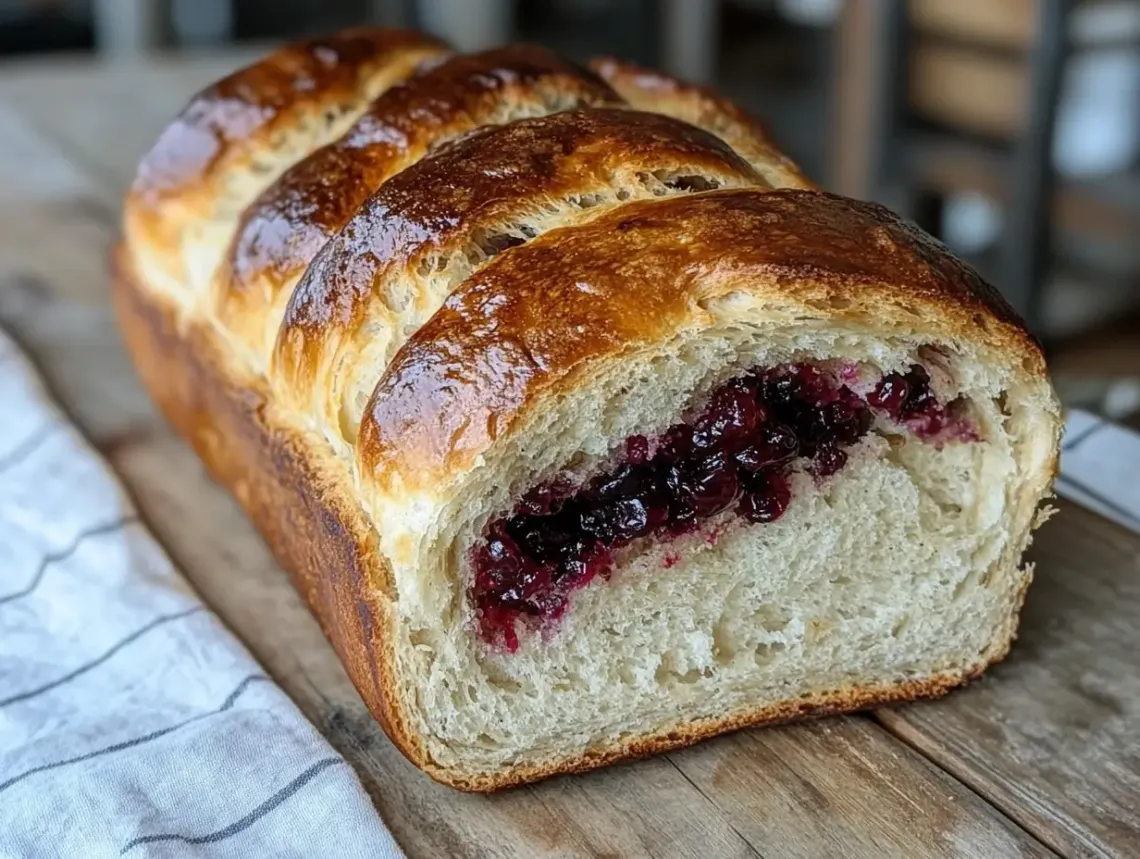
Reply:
x=1052, y=736
x=815, y=781
x=26, y=176
x=106, y=114
x=797, y=791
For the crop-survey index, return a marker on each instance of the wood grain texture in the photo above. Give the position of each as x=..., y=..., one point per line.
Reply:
x=834, y=788
x=843, y=788
x=105, y=116
x=1052, y=736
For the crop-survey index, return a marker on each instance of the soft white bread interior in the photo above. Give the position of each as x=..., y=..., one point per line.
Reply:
x=899, y=576
x=382, y=323
x=901, y=572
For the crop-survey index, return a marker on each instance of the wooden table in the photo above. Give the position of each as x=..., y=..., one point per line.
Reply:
x=1041, y=758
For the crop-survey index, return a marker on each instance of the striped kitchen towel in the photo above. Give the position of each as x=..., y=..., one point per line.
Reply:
x=1100, y=468
x=132, y=723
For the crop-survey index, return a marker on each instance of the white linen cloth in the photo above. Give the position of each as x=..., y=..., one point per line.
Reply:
x=132, y=723
x=1100, y=468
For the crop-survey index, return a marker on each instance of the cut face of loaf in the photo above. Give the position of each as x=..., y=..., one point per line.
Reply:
x=767, y=476
x=585, y=430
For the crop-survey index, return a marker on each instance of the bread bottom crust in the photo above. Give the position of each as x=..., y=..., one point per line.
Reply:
x=300, y=502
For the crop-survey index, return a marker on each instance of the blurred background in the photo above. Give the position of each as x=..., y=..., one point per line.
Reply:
x=1010, y=128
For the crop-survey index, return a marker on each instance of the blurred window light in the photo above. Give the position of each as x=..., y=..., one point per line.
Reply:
x=971, y=222
x=810, y=13
x=1098, y=118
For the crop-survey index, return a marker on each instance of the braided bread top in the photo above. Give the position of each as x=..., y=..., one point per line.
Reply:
x=320, y=207
x=527, y=322
x=404, y=251
x=282, y=230
x=648, y=89
x=236, y=136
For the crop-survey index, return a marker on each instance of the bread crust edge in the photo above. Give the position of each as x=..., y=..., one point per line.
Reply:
x=322, y=538
x=297, y=504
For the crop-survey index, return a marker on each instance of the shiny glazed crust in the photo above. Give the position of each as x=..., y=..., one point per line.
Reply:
x=493, y=177
x=648, y=89
x=320, y=535
x=364, y=212
x=230, y=126
x=281, y=231
x=649, y=270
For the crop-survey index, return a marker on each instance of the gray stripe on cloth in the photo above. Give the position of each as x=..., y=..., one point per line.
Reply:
x=129, y=715
x=244, y=823
x=64, y=554
x=99, y=660
x=231, y=699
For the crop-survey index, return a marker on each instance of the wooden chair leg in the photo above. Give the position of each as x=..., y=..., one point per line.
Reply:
x=1026, y=243
x=690, y=29
x=125, y=29
x=868, y=96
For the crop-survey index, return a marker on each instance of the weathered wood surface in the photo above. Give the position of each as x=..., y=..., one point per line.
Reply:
x=976, y=775
x=1052, y=735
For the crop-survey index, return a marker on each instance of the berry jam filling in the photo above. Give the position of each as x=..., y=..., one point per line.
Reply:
x=738, y=453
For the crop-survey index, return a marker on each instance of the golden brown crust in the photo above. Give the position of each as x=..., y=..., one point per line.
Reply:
x=597, y=284
x=284, y=229
x=499, y=173
x=249, y=103
x=648, y=89
x=300, y=505
x=226, y=124
x=319, y=535
x=637, y=275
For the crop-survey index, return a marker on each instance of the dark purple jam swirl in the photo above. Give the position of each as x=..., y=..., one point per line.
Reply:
x=736, y=453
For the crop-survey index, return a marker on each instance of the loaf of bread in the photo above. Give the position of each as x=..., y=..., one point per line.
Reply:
x=587, y=427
